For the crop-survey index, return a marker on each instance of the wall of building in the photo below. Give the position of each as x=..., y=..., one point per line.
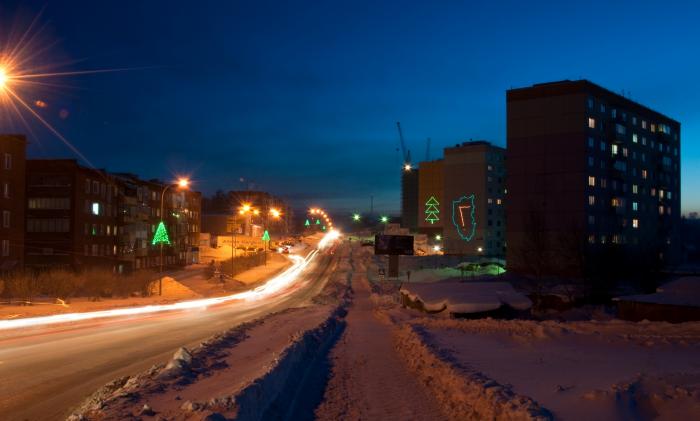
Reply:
x=431, y=206
x=12, y=199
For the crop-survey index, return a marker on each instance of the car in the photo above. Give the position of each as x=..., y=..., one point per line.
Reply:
x=285, y=250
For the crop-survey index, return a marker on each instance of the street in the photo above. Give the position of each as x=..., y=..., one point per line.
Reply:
x=47, y=371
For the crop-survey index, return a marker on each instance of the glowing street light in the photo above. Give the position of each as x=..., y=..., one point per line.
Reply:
x=438, y=237
x=275, y=213
x=183, y=183
x=480, y=249
x=407, y=167
x=356, y=217
x=3, y=78
x=384, y=219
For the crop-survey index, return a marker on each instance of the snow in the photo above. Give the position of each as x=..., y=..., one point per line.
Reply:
x=684, y=291
x=466, y=297
x=581, y=370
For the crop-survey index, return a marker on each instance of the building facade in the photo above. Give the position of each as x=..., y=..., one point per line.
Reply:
x=431, y=215
x=590, y=173
x=409, y=198
x=473, y=199
x=12, y=201
x=71, y=216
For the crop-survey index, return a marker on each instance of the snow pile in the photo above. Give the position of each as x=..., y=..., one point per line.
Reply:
x=681, y=292
x=465, y=297
x=462, y=393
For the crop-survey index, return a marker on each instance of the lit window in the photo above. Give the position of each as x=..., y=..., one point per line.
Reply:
x=634, y=120
x=644, y=173
x=644, y=124
x=6, y=190
x=591, y=142
x=613, y=112
x=590, y=102
x=490, y=201
x=625, y=152
x=644, y=140
x=5, y=248
x=653, y=127
x=499, y=201
x=95, y=208
x=653, y=192
x=635, y=206
x=613, y=149
x=661, y=193
x=668, y=194
x=591, y=122
x=591, y=200
x=6, y=219
x=591, y=181
x=602, y=146
x=661, y=209
x=591, y=239
x=616, y=202
x=603, y=183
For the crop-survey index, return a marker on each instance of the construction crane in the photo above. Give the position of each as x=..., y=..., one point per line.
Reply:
x=405, y=152
x=427, y=149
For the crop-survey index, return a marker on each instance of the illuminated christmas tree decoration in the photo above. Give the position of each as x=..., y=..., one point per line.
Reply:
x=432, y=210
x=463, y=217
x=161, y=235
x=318, y=222
x=266, y=236
x=323, y=227
x=307, y=223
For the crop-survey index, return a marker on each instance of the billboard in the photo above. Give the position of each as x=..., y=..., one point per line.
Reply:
x=393, y=244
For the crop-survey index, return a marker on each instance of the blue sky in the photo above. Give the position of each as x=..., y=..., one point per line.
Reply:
x=301, y=98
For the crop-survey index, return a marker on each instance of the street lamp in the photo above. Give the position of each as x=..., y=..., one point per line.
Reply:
x=384, y=219
x=181, y=183
x=438, y=237
x=356, y=217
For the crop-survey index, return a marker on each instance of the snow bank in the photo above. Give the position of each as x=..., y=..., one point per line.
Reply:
x=462, y=393
x=681, y=292
x=465, y=297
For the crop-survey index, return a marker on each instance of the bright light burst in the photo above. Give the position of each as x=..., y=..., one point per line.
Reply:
x=27, y=73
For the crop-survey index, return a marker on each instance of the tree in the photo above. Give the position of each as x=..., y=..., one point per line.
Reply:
x=161, y=235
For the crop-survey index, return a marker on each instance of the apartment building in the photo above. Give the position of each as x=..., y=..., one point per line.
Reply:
x=12, y=183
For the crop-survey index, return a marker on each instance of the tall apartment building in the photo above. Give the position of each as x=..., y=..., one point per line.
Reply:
x=431, y=214
x=71, y=216
x=473, y=199
x=12, y=183
x=589, y=172
x=409, y=198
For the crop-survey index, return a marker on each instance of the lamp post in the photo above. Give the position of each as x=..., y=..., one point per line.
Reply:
x=182, y=183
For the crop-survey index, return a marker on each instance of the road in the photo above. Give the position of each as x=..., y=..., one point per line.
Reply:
x=46, y=372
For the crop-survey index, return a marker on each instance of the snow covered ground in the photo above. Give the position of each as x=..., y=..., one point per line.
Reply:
x=465, y=297
x=582, y=370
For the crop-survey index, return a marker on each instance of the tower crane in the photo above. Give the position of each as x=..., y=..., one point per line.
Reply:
x=405, y=152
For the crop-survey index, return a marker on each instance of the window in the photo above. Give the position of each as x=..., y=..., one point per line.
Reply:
x=591, y=161
x=499, y=201
x=48, y=225
x=591, y=181
x=616, y=202
x=613, y=149
x=620, y=129
x=613, y=112
x=602, y=146
x=653, y=127
x=602, y=108
x=590, y=102
x=668, y=194
x=6, y=190
x=634, y=120
x=6, y=219
x=635, y=206
x=591, y=122
x=95, y=249
x=591, y=239
x=603, y=183
x=591, y=142
x=591, y=200
x=95, y=208
x=644, y=124
x=7, y=162
x=644, y=140
x=591, y=219
x=87, y=186
x=644, y=173
x=5, y=248
x=661, y=209
x=95, y=187
x=653, y=192
x=48, y=203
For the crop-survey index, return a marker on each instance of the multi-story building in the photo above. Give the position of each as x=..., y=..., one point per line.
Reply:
x=12, y=201
x=431, y=214
x=409, y=198
x=473, y=199
x=589, y=172
x=71, y=216
x=185, y=207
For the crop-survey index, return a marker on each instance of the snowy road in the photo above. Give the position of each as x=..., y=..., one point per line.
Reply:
x=45, y=372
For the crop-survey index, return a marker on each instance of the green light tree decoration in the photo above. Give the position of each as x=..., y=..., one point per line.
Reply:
x=161, y=235
x=266, y=236
x=432, y=210
x=307, y=223
x=318, y=222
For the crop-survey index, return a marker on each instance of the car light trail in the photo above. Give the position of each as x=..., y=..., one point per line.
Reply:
x=272, y=286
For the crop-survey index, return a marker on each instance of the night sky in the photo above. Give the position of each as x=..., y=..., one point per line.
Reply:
x=301, y=98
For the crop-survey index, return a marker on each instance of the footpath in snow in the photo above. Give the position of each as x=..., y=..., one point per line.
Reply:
x=368, y=379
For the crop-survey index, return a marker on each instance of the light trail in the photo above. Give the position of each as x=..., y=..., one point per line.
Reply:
x=272, y=286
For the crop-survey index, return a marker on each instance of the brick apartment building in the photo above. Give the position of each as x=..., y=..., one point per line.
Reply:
x=461, y=199
x=590, y=173
x=81, y=217
x=12, y=183
x=71, y=216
